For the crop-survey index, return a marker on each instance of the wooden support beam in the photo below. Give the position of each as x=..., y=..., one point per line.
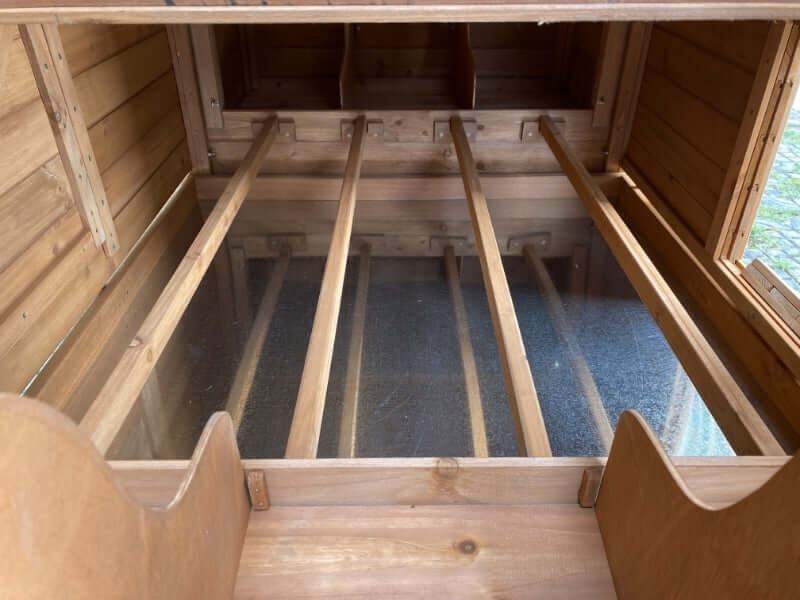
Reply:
x=630, y=82
x=108, y=412
x=566, y=334
x=347, y=428
x=183, y=65
x=6, y=36
x=609, y=66
x=737, y=418
x=531, y=432
x=307, y=420
x=480, y=446
x=209, y=76
x=246, y=372
x=57, y=90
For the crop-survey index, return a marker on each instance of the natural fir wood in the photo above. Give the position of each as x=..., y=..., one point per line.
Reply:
x=257, y=489
x=109, y=410
x=209, y=76
x=739, y=421
x=57, y=90
x=630, y=81
x=659, y=536
x=251, y=355
x=480, y=446
x=307, y=419
x=766, y=79
x=183, y=63
x=775, y=292
x=609, y=69
x=530, y=428
x=347, y=445
x=565, y=331
x=6, y=38
x=85, y=537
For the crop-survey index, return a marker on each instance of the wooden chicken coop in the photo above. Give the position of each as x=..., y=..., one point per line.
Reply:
x=394, y=300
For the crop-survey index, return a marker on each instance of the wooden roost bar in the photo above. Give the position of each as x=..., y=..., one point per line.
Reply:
x=395, y=300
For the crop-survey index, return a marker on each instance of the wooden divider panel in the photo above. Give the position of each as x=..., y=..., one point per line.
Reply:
x=70, y=530
x=662, y=542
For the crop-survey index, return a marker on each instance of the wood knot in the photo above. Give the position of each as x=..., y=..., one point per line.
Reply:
x=467, y=546
x=447, y=468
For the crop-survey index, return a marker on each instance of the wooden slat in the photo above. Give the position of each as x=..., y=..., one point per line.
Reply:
x=565, y=331
x=180, y=44
x=348, y=445
x=209, y=77
x=775, y=292
x=658, y=534
x=737, y=418
x=251, y=355
x=6, y=37
x=531, y=432
x=53, y=77
x=610, y=64
x=480, y=446
x=109, y=410
x=628, y=93
x=749, y=131
x=307, y=419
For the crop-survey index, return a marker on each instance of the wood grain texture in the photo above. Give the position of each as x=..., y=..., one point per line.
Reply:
x=209, y=76
x=6, y=39
x=109, y=410
x=659, y=536
x=480, y=446
x=742, y=425
x=69, y=514
x=308, y=410
x=527, y=414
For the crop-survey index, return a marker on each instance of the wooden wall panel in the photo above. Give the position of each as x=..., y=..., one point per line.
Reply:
x=693, y=97
x=49, y=266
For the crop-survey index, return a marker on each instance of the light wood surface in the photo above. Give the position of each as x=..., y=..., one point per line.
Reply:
x=609, y=69
x=348, y=429
x=307, y=419
x=739, y=421
x=659, y=536
x=530, y=428
x=6, y=38
x=251, y=355
x=159, y=11
x=414, y=551
x=774, y=291
x=480, y=446
x=57, y=90
x=70, y=530
x=109, y=410
x=565, y=331
x=209, y=76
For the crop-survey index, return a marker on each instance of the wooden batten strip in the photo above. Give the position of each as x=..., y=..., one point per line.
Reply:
x=565, y=332
x=352, y=383
x=530, y=428
x=57, y=90
x=307, y=419
x=630, y=81
x=609, y=69
x=209, y=76
x=251, y=355
x=6, y=37
x=480, y=445
x=739, y=421
x=111, y=407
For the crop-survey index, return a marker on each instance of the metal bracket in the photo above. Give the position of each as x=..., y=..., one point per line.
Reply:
x=540, y=240
x=529, y=134
x=442, y=135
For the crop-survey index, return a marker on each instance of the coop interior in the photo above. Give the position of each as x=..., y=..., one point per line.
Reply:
x=423, y=251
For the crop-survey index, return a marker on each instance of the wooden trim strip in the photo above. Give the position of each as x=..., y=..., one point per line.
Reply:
x=480, y=446
x=180, y=44
x=209, y=76
x=530, y=428
x=775, y=292
x=630, y=82
x=426, y=481
x=609, y=70
x=542, y=11
x=109, y=410
x=307, y=420
x=251, y=355
x=6, y=37
x=347, y=428
x=57, y=90
x=739, y=421
x=565, y=332
x=747, y=138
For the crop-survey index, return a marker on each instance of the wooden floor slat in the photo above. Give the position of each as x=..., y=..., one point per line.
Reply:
x=547, y=551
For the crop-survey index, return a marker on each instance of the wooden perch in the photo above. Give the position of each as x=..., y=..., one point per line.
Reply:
x=108, y=412
x=739, y=421
x=70, y=530
x=530, y=428
x=307, y=419
x=662, y=541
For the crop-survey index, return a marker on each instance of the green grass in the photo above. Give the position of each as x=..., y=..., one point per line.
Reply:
x=791, y=135
x=778, y=213
x=761, y=237
x=781, y=264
